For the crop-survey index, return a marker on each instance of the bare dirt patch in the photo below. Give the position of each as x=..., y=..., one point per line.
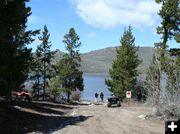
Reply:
x=46, y=117
x=121, y=120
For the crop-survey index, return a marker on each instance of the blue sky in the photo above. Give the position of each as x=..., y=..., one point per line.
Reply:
x=99, y=23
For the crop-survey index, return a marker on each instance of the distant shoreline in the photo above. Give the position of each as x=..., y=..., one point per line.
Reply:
x=95, y=74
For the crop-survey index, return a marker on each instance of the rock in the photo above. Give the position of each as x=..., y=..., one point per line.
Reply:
x=142, y=116
x=91, y=105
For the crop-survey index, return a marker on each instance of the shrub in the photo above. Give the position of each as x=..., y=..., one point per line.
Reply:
x=169, y=101
x=76, y=95
x=169, y=105
x=60, y=98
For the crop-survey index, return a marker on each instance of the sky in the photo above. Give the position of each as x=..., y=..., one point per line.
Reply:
x=99, y=23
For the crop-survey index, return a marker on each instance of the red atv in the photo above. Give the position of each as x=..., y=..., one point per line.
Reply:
x=22, y=96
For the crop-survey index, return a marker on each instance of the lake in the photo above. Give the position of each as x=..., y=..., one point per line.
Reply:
x=94, y=83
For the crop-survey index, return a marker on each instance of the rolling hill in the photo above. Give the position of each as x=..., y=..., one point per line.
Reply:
x=100, y=61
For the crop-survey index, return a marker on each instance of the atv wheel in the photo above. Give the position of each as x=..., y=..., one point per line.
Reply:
x=108, y=104
x=118, y=103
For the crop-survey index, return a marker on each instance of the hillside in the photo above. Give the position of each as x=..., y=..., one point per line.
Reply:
x=100, y=61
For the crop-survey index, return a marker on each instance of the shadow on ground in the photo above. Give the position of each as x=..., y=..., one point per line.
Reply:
x=16, y=121
x=114, y=106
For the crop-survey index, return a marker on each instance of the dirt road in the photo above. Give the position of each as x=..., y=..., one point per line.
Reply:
x=98, y=119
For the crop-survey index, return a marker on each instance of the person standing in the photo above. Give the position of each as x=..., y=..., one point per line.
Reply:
x=96, y=97
x=102, y=96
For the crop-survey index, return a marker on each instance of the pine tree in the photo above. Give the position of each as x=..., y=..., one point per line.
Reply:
x=169, y=13
x=43, y=59
x=36, y=70
x=68, y=71
x=169, y=28
x=54, y=87
x=15, y=57
x=124, y=68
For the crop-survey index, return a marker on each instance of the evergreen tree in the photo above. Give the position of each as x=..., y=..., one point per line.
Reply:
x=124, y=68
x=54, y=87
x=36, y=69
x=15, y=57
x=175, y=52
x=43, y=65
x=170, y=26
x=69, y=75
x=173, y=76
x=169, y=12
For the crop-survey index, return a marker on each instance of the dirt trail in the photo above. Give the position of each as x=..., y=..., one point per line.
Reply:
x=98, y=119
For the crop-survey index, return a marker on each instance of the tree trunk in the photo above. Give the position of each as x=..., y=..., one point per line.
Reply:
x=158, y=87
x=44, y=87
x=68, y=97
x=44, y=81
x=164, y=47
x=38, y=84
x=162, y=62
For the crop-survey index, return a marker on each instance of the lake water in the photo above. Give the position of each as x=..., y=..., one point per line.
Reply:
x=94, y=83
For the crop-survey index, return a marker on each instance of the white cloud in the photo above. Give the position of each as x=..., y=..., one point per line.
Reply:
x=114, y=13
